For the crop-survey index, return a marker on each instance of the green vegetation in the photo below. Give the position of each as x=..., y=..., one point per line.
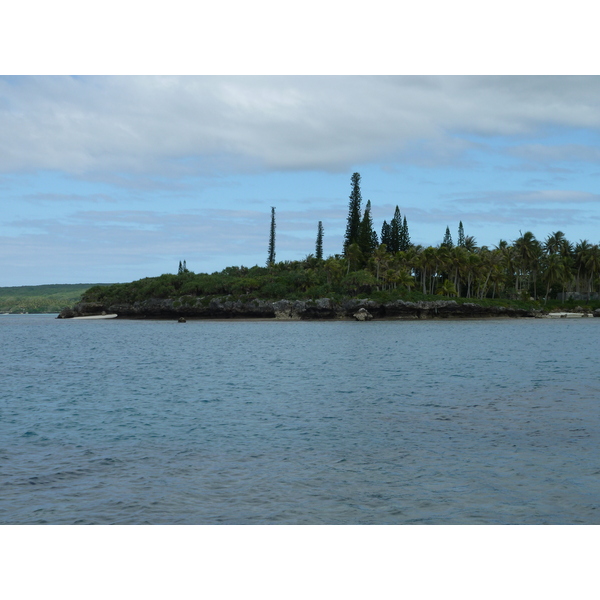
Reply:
x=41, y=298
x=384, y=279
x=525, y=274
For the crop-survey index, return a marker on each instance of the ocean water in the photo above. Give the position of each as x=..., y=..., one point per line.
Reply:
x=246, y=422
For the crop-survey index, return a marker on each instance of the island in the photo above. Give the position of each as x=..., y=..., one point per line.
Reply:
x=383, y=276
x=252, y=293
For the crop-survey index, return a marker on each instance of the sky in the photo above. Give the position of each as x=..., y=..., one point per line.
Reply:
x=453, y=112
x=116, y=178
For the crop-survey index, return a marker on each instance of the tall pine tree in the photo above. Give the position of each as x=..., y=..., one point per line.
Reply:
x=367, y=238
x=385, y=234
x=374, y=240
x=271, y=259
x=395, y=227
x=447, y=239
x=404, y=237
x=354, y=213
x=461, y=236
x=319, y=245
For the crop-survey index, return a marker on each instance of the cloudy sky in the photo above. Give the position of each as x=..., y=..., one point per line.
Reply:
x=106, y=179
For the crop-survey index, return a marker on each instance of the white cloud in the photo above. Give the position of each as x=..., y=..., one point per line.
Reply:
x=210, y=125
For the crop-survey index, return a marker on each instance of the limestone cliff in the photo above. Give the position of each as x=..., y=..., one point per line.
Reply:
x=322, y=308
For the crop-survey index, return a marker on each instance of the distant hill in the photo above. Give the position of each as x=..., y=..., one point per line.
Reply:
x=41, y=298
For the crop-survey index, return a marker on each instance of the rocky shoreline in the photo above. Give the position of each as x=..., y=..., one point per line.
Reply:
x=298, y=310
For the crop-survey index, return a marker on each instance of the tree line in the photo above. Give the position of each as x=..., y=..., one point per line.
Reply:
x=389, y=266
x=526, y=268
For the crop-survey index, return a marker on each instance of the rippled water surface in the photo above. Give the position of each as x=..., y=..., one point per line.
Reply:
x=465, y=422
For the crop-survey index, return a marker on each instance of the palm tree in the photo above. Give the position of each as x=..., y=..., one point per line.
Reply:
x=528, y=251
x=497, y=276
x=554, y=242
x=408, y=258
x=403, y=277
x=446, y=289
x=508, y=255
x=389, y=277
x=457, y=261
x=470, y=243
x=557, y=244
x=427, y=262
x=555, y=271
x=380, y=258
x=311, y=261
x=581, y=252
x=489, y=258
x=593, y=264
x=443, y=262
x=472, y=269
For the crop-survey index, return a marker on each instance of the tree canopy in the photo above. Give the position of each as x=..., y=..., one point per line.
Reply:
x=524, y=269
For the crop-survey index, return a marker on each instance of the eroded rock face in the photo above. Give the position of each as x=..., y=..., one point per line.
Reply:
x=322, y=308
x=286, y=310
x=449, y=309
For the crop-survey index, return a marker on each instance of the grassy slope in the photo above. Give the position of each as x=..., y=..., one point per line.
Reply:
x=41, y=298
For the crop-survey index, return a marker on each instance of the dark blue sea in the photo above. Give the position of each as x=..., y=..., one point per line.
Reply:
x=269, y=422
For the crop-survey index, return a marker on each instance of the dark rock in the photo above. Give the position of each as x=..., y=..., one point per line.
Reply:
x=321, y=308
x=83, y=309
x=181, y=320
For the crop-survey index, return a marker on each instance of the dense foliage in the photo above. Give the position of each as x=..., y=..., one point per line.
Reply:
x=525, y=270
